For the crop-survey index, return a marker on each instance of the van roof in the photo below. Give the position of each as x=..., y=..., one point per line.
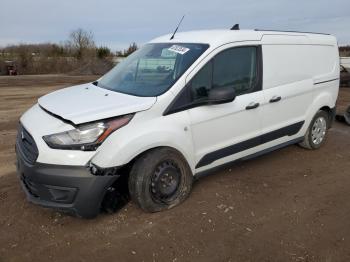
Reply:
x=219, y=37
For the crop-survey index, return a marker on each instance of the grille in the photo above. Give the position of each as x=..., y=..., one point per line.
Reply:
x=26, y=145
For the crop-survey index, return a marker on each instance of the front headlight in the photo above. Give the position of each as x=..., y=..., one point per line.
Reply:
x=86, y=137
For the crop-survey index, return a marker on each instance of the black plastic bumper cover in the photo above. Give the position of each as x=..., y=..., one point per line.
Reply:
x=66, y=188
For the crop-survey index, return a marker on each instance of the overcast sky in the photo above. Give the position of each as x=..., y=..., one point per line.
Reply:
x=118, y=23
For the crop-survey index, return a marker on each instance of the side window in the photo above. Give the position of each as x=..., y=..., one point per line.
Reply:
x=202, y=82
x=235, y=67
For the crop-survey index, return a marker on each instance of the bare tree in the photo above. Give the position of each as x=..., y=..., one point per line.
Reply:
x=24, y=56
x=81, y=42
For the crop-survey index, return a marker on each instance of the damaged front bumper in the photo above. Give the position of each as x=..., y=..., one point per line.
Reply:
x=72, y=189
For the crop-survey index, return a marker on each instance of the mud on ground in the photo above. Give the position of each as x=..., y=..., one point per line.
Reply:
x=289, y=205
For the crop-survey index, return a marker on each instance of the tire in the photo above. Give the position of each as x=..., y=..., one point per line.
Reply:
x=160, y=179
x=316, y=134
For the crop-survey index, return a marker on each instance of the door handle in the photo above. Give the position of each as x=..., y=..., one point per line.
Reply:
x=275, y=99
x=252, y=105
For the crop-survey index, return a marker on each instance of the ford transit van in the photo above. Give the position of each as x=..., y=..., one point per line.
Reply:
x=174, y=110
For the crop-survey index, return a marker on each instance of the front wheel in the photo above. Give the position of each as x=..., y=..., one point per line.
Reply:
x=160, y=179
x=316, y=134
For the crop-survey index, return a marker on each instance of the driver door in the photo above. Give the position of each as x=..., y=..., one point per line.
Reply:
x=225, y=132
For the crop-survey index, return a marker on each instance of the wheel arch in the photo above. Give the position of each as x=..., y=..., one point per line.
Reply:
x=323, y=101
x=118, y=159
x=331, y=114
x=121, y=183
x=136, y=157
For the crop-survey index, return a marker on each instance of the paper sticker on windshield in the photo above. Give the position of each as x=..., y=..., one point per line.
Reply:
x=179, y=49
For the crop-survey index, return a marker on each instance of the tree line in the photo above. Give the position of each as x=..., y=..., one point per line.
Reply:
x=77, y=55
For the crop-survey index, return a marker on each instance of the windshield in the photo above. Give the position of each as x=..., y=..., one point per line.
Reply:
x=153, y=69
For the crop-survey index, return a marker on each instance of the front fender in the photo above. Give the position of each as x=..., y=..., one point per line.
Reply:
x=144, y=134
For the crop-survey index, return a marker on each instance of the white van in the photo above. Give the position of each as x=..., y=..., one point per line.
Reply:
x=176, y=109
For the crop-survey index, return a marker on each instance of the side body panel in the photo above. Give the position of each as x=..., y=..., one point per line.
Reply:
x=304, y=75
x=217, y=127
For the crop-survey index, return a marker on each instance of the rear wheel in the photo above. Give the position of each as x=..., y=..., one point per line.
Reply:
x=316, y=134
x=160, y=179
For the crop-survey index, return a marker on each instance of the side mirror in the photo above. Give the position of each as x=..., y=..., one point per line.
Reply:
x=221, y=95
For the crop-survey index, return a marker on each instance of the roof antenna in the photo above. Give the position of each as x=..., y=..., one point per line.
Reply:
x=172, y=37
x=235, y=27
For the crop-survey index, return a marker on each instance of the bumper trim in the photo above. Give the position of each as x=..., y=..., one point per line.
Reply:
x=70, y=189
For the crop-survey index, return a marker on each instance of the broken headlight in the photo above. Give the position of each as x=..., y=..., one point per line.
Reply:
x=86, y=137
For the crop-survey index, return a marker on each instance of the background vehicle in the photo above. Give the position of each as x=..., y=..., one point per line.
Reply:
x=344, y=76
x=11, y=69
x=177, y=108
x=345, y=62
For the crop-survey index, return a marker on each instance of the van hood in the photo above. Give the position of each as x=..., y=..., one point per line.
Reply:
x=87, y=103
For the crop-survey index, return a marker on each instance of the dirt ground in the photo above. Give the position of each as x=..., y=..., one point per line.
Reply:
x=289, y=205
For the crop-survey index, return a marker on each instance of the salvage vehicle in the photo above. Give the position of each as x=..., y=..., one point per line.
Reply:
x=174, y=110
